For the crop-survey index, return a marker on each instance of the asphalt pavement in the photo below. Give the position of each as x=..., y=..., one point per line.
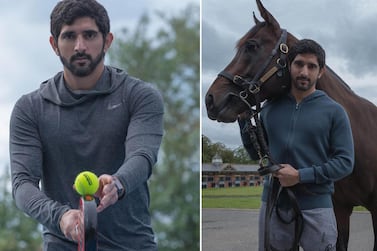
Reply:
x=237, y=230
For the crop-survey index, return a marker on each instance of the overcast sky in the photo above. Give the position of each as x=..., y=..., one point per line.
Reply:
x=345, y=28
x=27, y=58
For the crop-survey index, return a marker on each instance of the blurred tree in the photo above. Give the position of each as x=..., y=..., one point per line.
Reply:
x=170, y=59
x=17, y=231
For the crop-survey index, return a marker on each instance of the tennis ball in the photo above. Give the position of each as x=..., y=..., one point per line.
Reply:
x=86, y=183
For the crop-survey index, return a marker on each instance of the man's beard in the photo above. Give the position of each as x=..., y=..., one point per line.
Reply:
x=85, y=70
x=303, y=87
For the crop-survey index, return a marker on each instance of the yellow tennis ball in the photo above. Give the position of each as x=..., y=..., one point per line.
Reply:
x=86, y=183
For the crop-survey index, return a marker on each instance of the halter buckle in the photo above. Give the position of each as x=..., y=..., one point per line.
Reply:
x=238, y=80
x=266, y=167
x=243, y=95
x=281, y=63
x=254, y=88
x=283, y=48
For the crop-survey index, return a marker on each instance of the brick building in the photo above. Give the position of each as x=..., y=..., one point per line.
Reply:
x=219, y=174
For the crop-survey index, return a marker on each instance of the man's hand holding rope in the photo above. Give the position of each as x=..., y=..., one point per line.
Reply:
x=288, y=176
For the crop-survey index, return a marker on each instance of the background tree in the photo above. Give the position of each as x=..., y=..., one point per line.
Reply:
x=17, y=231
x=236, y=156
x=241, y=156
x=207, y=150
x=225, y=153
x=169, y=58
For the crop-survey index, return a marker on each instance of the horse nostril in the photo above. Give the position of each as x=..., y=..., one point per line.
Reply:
x=209, y=101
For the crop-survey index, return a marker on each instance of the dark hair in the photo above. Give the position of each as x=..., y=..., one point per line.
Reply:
x=67, y=11
x=307, y=46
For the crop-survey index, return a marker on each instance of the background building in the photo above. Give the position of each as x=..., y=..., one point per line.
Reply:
x=219, y=174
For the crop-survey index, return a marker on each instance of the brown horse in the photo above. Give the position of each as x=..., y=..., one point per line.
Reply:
x=228, y=97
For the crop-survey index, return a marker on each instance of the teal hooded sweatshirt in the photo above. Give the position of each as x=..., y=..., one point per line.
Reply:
x=314, y=137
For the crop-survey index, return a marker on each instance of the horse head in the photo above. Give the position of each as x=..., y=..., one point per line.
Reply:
x=257, y=72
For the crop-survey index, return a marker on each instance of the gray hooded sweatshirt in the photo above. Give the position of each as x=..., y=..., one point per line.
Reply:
x=115, y=128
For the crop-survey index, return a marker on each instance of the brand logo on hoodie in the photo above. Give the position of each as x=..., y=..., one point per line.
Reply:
x=112, y=107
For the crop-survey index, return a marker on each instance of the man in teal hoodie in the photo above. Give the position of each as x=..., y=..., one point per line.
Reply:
x=309, y=135
x=88, y=117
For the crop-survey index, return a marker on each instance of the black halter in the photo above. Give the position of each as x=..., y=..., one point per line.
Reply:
x=253, y=86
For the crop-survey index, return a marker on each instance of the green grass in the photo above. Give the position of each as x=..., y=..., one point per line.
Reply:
x=232, y=197
x=237, y=197
x=359, y=209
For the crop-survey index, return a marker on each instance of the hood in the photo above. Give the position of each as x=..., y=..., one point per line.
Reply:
x=55, y=90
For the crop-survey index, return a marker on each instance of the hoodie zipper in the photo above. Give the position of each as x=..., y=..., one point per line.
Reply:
x=291, y=132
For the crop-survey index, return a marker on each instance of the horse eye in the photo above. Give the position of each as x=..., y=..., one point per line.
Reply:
x=251, y=45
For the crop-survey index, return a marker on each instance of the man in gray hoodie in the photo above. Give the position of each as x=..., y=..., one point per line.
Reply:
x=88, y=117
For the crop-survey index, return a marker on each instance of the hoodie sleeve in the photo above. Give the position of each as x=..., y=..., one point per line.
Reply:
x=26, y=167
x=144, y=134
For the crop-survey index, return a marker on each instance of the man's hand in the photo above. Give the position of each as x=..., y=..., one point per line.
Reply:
x=288, y=175
x=69, y=224
x=107, y=192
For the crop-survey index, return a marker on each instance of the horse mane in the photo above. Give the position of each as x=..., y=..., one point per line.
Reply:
x=338, y=77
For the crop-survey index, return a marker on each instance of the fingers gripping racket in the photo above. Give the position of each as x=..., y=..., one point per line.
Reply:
x=86, y=184
x=88, y=227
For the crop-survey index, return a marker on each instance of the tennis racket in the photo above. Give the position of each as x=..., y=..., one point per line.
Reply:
x=88, y=227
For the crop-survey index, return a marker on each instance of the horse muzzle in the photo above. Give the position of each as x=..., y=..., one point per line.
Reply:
x=224, y=108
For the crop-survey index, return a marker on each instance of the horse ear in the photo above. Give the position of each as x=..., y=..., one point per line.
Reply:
x=255, y=19
x=270, y=20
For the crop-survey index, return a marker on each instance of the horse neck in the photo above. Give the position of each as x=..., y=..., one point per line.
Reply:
x=338, y=90
x=334, y=86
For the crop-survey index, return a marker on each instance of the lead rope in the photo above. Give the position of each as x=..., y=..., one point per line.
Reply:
x=266, y=167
